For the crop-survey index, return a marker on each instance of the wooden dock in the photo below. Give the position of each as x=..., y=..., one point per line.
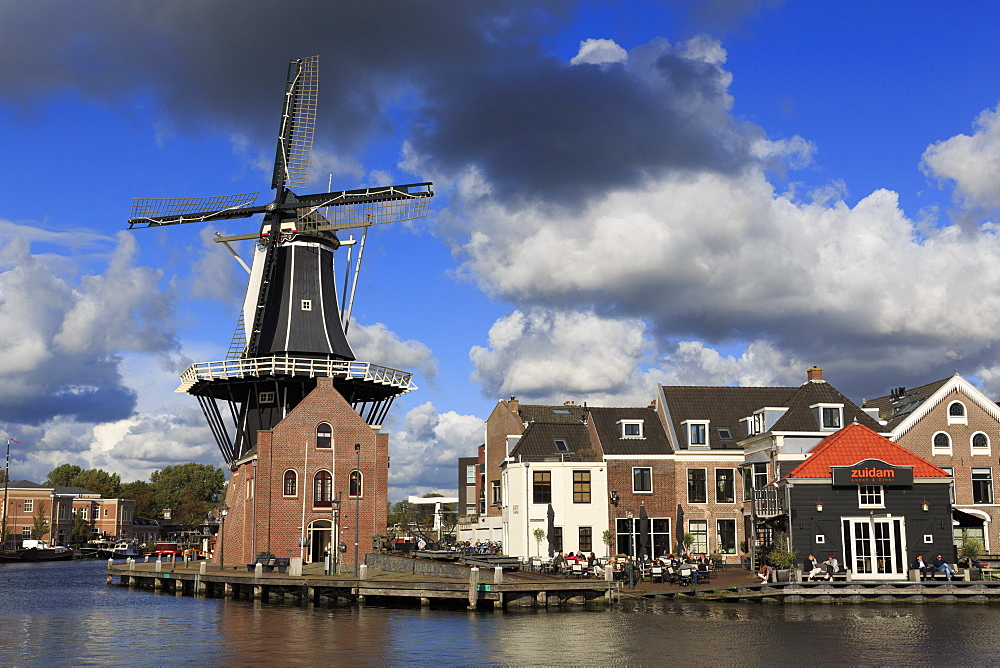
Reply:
x=856, y=591
x=376, y=589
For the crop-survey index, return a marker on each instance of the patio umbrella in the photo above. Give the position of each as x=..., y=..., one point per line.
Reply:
x=643, y=534
x=680, y=528
x=550, y=529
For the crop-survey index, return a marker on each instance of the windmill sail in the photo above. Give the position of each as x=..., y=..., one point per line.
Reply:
x=298, y=123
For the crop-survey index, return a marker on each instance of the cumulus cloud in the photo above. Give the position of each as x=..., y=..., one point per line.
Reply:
x=972, y=162
x=377, y=344
x=426, y=447
x=599, y=52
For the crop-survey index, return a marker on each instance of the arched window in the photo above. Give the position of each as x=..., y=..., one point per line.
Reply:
x=980, y=442
x=324, y=435
x=357, y=488
x=942, y=441
x=290, y=487
x=322, y=490
x=956, y=409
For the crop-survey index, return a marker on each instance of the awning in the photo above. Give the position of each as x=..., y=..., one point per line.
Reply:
x=963, y=519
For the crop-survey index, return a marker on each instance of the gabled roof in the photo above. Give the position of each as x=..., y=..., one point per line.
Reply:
x=799, y=417
x=565, y=413
x=932, y=395
x=606, y=423
x=538, y=443
x=25, y=484
x=894, y=408
x=722, y=406
x=855, y=443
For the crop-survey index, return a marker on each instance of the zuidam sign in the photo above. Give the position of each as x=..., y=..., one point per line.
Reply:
x=872, y=472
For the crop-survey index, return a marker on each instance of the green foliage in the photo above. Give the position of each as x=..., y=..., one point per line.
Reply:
x=539, y=535
x=779, y=555
x=39, y=522
x=144, y=495
x=192, y=512
x=609, y=538
x=970, y=549
x=81, y=530
x=62, y=476
x=205, y=481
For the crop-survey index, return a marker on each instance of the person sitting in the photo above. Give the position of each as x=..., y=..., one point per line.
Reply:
x=811, y=568
x=591, y=560
x=832, y=566
x=571, y=559
x=920, y=565
x=942, y=567
x=764, y=573
x=559, y=562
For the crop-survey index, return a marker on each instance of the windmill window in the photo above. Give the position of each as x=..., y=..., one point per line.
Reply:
x=324, y=435
x=322, y=490
x=357, y=485
x=290, y=487
x=265, y=398
x=307, y=304
x=957, y=413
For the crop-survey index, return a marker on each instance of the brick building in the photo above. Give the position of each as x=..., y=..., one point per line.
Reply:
x=61, y=506
x=954, y=426
x=316, y=479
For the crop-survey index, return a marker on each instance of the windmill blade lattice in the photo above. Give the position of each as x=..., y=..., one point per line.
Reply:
x=298, y=125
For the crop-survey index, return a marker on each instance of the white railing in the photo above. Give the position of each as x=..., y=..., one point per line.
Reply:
x=256, y=367
x=768, y=502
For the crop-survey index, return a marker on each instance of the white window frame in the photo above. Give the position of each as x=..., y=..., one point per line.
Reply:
x=871, y=496
x=716, y=485
x=950, y=470
x=689, y=432
x=642, y=491
x=29, y=505
x=821, y=410
x=980, y=451
x=958, y=419
x=307, y=304
x=935, y=450
x=641, y=433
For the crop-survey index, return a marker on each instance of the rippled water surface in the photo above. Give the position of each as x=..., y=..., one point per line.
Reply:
x=64, y=613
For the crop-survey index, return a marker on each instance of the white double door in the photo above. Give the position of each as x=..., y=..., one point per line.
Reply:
x=875, y=546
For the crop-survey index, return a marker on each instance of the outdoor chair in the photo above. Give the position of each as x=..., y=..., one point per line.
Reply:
x=657, y=574
x=577, y=571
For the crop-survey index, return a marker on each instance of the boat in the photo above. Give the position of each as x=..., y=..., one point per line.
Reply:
x=126, y=549
x=35, y=550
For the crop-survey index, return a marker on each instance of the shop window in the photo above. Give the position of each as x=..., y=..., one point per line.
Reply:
x=982, y=485
x=725, y=534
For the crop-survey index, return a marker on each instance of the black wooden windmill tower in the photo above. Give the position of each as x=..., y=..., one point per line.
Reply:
x=292, y=329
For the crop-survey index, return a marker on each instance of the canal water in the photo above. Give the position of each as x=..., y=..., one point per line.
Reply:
x=64, y=613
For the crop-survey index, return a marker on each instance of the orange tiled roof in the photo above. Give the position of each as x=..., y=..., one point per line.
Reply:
x=855, y=443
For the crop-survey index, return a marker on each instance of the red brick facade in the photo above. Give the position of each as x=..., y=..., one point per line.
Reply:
x=262, y=517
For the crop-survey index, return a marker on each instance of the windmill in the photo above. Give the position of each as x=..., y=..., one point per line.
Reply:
x=291, y=329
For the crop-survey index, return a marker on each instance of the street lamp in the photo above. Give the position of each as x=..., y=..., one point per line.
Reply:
x=357, y=507
x=223, y=511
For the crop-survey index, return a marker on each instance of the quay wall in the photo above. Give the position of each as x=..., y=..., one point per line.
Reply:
x=397, y=564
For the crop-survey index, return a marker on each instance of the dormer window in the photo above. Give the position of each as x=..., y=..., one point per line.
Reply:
x=697, y=434
x=829, y=417
x=631, y=428
x=957, y=413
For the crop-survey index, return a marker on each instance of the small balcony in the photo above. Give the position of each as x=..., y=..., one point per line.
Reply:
x=768, y=502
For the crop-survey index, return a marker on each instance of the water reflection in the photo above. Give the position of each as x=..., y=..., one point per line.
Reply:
x=64, y=613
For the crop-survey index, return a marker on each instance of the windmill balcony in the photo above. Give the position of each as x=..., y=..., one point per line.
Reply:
x=769, y=502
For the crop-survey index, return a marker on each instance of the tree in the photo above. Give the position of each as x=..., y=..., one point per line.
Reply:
x=40, y=522
x=539, y=535
x=108, y=485
x=81, y=530
x=62, y=476
x=144, y=495
x=609, y=539
x=191, y=512
x=204, y=480
x=779, y=555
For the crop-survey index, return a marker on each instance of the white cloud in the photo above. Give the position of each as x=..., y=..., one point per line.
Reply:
x=379, y=345
x=972, y=162
x=599, y=52
x=425, y=449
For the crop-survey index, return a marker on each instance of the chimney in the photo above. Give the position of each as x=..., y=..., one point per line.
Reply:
x=814, y=374
x=569, y=403
x=513, y=404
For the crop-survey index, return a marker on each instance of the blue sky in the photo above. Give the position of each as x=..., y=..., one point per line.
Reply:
x=628, y=194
